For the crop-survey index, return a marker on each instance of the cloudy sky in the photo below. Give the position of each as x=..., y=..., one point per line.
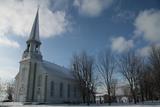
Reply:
x=69, y=26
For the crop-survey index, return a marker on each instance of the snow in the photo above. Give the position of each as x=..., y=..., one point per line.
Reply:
x=18, y=104
x=2, y=95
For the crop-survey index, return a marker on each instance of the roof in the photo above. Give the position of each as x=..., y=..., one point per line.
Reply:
x=57, y=70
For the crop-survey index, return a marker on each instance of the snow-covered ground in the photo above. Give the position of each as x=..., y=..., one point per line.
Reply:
x=17, y=104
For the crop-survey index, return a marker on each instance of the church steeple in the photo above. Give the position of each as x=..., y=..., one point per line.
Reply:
x=33, y=43
x=34, y=35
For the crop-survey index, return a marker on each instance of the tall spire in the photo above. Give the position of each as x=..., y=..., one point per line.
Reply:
x=34, y=35
x=33, y=43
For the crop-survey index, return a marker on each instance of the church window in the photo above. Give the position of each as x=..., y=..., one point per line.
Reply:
x=36, y=48
x=75, y=91
x=21, y=90
x=28, y=46
x=61, y=90
x=39, y=80
x=38, y=91
x=68, y=90
x=52, y=89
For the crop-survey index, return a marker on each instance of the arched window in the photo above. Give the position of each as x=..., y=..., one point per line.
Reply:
x=21, y=90
x=38, y=91
x=28, y=46
x=68, y=90
x=36, y=49
x=75, y=91
x=39, y=80
x=52, y=89
x=61, y=90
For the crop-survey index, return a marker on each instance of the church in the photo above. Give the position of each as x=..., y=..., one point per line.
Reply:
x=42, y=81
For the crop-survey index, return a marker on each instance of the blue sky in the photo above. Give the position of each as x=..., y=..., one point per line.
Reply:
x=69, y=26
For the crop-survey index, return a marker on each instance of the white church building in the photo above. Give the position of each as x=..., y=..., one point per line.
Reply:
x=42, y=81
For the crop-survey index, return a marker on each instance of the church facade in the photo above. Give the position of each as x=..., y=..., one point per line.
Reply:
x=42, y=81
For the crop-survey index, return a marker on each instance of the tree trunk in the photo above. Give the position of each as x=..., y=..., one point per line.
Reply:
x=142, y=94
x=109, y=97
x=84, y=100
x=133, y=95
x=109, y=103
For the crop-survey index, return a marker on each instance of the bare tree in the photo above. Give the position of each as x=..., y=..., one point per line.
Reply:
x=95, y=83
x=10, y=90
x=82, y=68
x=106, y=66
x=148, y=87
x=154, y=60
x=0, y=85
x=130, y=68
x=126, y=90
x=1, y=89
x=114, y=87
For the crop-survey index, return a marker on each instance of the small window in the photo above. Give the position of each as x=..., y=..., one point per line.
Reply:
x=21, y=90
x=39, y=80
x=75, y=91
x=52, y=89
x=68, y=90
x=38, y=91
x=61, y=90
x=36, y=48
x=28, y=46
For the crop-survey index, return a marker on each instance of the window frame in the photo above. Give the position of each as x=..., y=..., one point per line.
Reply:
x=52, y=88
x=61, y=90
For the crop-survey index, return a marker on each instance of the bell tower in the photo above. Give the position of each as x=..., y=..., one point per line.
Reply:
x=33, y=43
x=29, y=66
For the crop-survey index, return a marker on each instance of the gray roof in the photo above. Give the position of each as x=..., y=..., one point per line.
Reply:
x=57, y=70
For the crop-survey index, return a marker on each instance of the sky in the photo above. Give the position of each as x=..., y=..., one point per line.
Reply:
x=71, y=26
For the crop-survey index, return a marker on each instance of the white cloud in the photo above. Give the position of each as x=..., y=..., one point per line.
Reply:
x=53, y=24
x=144, y=51
x=9, y=63
x=16, y=17
x=123, y=16
x=9, y=66
x=120, y=44
x=92, y=7
x=7, y=42
x=148, y=25
x=8, y=74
